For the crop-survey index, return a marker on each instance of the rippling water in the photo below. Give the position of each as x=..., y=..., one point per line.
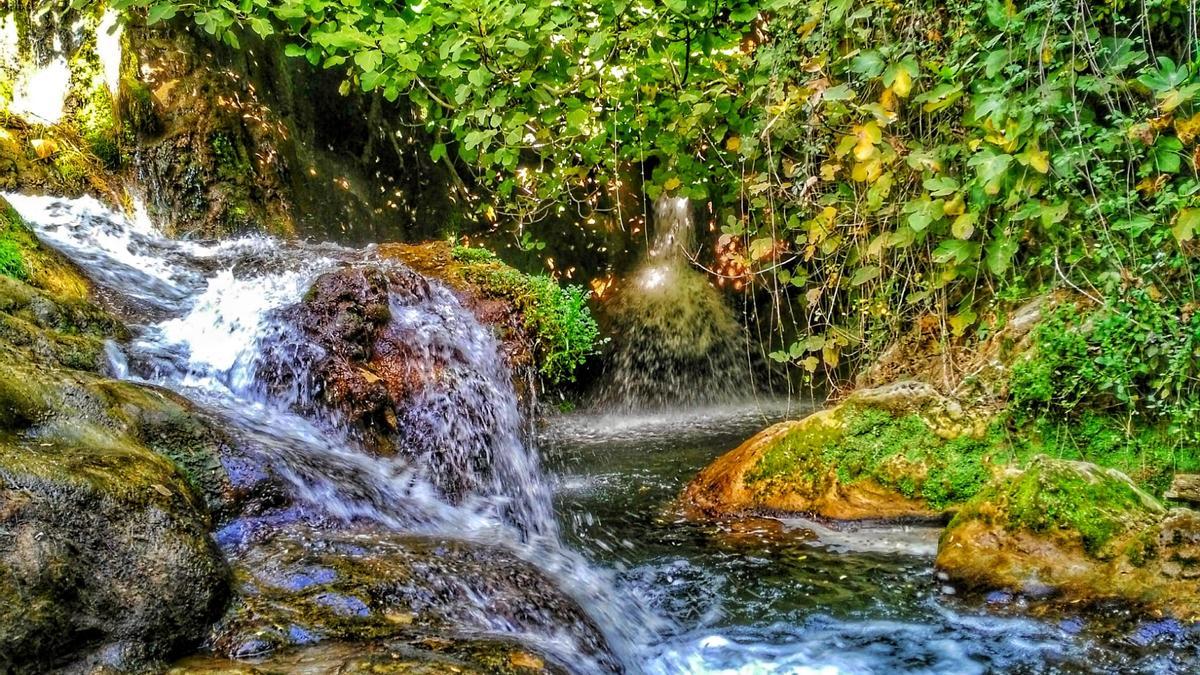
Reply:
x=797, y=597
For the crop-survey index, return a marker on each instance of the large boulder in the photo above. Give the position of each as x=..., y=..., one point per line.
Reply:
x=1077, y=532
x=105, y=558
x=445, y=599
x=901, y=451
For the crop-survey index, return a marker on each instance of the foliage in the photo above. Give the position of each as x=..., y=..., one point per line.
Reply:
x=13, y=240
x=557, y=316
x=878, y=162
x=1135, y=359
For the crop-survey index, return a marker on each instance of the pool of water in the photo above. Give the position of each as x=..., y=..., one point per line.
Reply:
x=797, y=597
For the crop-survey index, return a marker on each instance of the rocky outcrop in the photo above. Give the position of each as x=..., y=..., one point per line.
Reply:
x=446, y=600
x=348, y=355
x=891, y=452
x=107, y=488
x=1076, y=532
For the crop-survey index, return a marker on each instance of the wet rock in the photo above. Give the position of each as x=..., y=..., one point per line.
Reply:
x=1078, y=533
x=348, y=358
x=465, y=657
x=902, y=451
x=105, y=558
x=1185, y=487
x=438, y=597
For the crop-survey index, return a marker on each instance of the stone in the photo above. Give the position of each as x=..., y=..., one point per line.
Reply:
x=1185, y=487
x=1074, y=532
x=440, y=597
x=877, y=455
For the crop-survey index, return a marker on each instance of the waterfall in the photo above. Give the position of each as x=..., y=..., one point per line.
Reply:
x=211, y=322
x=677, y=341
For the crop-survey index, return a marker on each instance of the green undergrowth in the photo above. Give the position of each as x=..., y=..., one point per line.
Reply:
x=557, y=315
x=15, y=243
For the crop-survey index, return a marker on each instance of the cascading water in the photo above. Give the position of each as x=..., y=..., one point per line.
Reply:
x=677, y=342
x=212, y=315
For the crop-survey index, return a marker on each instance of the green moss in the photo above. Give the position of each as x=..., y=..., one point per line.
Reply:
x=14, y=242
x=566, y=334
x=1056, y=497
x=901, y=453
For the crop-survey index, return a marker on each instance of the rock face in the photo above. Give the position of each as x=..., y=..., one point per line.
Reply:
x=445, y=600
x=347, y=355
x=105, y=557
x=883, y=453
x=1077, y=532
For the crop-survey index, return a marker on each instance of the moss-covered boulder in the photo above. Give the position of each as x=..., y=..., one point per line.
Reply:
x=542, y=325
x=1077, y=532
x=894, y=452
x=439, y=599
x=105, y=558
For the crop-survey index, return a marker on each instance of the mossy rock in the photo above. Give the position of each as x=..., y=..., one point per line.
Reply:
x=1076, y=532
x=897, y=452
x=105, y=559
x=439, y=597
x=541, y=323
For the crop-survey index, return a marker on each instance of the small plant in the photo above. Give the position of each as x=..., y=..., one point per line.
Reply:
x=557, y=316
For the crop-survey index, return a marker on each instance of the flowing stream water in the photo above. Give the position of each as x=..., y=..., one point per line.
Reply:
x=670, y=596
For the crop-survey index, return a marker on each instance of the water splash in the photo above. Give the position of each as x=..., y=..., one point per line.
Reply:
x=677, y=341
x=212, y=312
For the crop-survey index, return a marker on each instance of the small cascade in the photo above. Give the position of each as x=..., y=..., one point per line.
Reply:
x=677, y=341
x=211, y=321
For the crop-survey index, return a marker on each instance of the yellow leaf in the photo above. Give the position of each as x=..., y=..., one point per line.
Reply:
x=44, y=147
x=831, y=354
x=673, y=183
x=733, y=143
x=1186, y=224
x=867, y=172
x=1188, y=129
x=1036, y=158
x=955, y=206
x=829, y=170
x=902, y=87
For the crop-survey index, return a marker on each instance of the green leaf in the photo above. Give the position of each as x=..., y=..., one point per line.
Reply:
x=956, y=251
x=163, y=11
x=294, y=50
x=1186, y=224
x=999, y=254
x=577, y=118
x=865, y=274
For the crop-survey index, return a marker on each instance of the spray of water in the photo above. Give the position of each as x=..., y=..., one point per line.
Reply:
x=676, y=341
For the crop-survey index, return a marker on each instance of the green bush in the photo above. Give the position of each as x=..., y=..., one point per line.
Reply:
x=558, y=317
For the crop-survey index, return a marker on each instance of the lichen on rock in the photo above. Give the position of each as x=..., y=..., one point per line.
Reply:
x=901, y=451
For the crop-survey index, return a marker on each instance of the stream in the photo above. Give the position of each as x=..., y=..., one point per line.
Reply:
x=588, y=504
x=801, y=597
